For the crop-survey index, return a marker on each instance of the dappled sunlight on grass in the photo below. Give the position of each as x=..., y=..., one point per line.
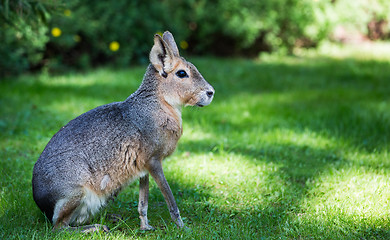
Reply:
x=231, y=180
x=348, y=199
x=351, y=191
x=306, y=140
x=378, y=161
x=194, y=133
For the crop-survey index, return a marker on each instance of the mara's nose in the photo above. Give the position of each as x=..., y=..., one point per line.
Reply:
x=210, y=94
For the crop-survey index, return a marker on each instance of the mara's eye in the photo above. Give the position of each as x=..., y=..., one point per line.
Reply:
x=181, y=74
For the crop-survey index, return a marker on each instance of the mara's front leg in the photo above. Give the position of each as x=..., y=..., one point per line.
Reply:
x=155, y=169
x=143, y=202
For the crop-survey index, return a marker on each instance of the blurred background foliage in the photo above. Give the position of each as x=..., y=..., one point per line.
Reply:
x=59, y=35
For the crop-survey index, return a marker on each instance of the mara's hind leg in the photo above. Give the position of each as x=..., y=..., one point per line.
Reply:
x=143, y=202
x=65, y=211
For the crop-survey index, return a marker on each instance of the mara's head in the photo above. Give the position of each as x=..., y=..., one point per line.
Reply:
x=179, y=82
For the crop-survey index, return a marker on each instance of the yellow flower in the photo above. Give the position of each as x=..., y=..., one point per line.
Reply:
x=56, y=32
x=67, y=12
x=159, y=33
x=114, y=46
x=184, y=44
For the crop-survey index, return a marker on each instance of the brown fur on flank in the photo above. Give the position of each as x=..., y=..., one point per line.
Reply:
x=98, y=153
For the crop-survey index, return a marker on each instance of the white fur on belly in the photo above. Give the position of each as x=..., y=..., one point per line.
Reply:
x=89, y=206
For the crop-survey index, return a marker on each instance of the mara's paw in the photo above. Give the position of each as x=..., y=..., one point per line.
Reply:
x=146, y=227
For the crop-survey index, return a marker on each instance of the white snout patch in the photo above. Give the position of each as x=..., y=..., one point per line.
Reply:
x=205, y=99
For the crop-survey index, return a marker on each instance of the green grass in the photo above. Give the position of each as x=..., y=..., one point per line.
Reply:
x=291, y=148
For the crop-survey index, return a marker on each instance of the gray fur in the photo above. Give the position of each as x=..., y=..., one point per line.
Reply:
x=98, y=153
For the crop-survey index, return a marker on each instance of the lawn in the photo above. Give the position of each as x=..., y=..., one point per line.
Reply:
x=290, y=148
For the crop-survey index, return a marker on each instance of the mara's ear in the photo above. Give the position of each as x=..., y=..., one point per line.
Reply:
x=161, y=56
x=168, y=38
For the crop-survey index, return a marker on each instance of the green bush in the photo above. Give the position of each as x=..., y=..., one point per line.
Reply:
x=222, y=27
x=119, y=32
x=23, y=33
x=363, y=15
x=21, y=47
x=276, y=25
x=81, y=34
